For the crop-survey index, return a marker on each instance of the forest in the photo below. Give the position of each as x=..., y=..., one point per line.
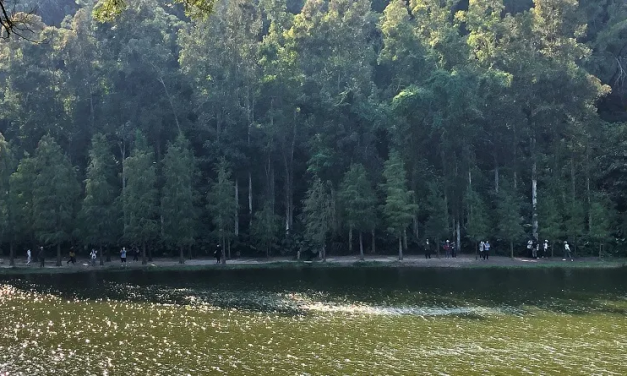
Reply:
x=329, y=127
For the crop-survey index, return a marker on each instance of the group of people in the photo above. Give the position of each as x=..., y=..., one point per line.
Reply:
x=484, y=250
x=41, y=257
x=535, y=252
x=93, y=256
x=450, y=250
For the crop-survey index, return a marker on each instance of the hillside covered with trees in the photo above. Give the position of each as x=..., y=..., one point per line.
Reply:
x=345, y=126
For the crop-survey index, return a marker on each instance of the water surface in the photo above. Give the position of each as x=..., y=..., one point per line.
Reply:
x=316, y=321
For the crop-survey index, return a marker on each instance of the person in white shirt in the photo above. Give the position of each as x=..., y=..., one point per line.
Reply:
x=545, y=249
x=29, y=256
x=486, y=250
x=481, y=249
x=93, y=255
x=567, y=253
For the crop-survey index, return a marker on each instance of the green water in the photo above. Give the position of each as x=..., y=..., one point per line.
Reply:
x=337, y=321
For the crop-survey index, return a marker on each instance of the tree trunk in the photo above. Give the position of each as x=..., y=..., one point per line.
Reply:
x=236, y=206
x=511, y=249
x=458, y=241
x=108, y=254
x=437, y=248
x=150, y=254
x=350, y=239
x=189, y=251
x=223, y=250
x=144, y=262
x=400, y=248
x=476, y=250
x=101, y=256
x=534, y=193
x=58, y=254
x=361, y=247
x=250, y=201
x=181, y=255
x=552, y=244
x=324, y=252
x=374, y=242
x=405, y=239
x=228, y=244
x=496, y=179
x=11, y=254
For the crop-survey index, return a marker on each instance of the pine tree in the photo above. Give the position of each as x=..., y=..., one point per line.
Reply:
x=317, y=215
x=222, y=205
x=20, y=205
x=359, y=201
x=437, y=222
x=600, y=214
x=477, y=226
x=55, y=194
x=508, y=215
x=179, y=196
x=550, y=218
x=140, y=196
x=99, y=215
x=399, y=206
x=266, y=226
x=6, y=169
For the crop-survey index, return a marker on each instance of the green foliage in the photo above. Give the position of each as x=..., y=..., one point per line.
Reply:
x=179, y=195
x=55, y=194
x=358, y=199
x=221, y=203
x=508, y=215
x=266, y=226
x=100, y=217
x=600, y=218
x=575, y=220
x=478, y=226
x=139, y=197
x=399, y=206
x=317, y=213
x=437, y=223
x=550, y=217
x=6, y=169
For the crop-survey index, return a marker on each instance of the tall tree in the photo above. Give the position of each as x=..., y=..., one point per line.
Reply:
x=359, y=202
x=477, y=226
x=399, y=205
x=266, y=225
x=99, y=215
x=222, y=206
x=55, y=195
x=600, y=215
x=509, y=217
x=437, y=224
x=139, y=199
x=317, y=215
x=6, y=169
x=179, y=196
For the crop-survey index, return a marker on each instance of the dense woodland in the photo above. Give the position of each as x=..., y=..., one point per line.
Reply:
x=330, y=126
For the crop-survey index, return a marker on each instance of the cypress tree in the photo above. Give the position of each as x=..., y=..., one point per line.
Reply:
x=359, y=200
x=508, y=214
x=99, y=215
x=179, y=196
x=317, y=214
x=55, y=194
x=222, y=206
x=140, y=196
x=399, y=206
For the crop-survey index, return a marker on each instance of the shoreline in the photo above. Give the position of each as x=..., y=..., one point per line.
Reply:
x=416, y=262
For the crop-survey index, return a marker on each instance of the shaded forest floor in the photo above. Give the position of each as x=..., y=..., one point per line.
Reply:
x=416, y=261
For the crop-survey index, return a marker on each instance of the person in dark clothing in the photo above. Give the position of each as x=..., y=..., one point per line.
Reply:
x=72, y=258
x=427, y=249
x=42, y=257
x=136, y=254
x=218, y=254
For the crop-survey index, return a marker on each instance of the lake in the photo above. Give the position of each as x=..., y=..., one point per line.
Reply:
x=316, y=321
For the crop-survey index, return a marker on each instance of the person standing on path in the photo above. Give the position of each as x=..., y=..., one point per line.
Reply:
x=567, y=253
x=123, y=256
x=93, y=255
x=534, y=250
x=136, y=254
x=486, y=250
x=28, y=257
x=42, y=257
x=217, y=254
x=72, y=258
x=481, y=250
x=545, y=248
x=427, y=250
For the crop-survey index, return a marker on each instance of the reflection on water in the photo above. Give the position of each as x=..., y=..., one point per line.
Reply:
x=316, y=321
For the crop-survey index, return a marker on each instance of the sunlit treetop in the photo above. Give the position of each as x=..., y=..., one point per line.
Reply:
x=108, y=10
